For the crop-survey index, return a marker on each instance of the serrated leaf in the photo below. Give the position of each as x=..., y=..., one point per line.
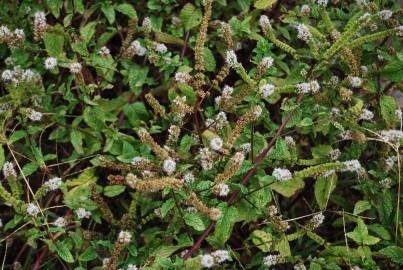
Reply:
x=262, y=240
x=76, y=139
x=209, y=60
x=127, y=9
x=64, y=253
x=88, y=31
x=54, y=6
x=88, y=255
x=94, y=117
x=388, y=109
x=114, y=190
x=224, y=226
x=393, y=71
x=361, y=206
x=194, y=221
x=263, y=4
x=288, y=188
x=79, y=6
x=324, y=186
x=109, y=12
x=166, y=206
x=190, y=16
x=54, y=43
x=394, y=253
x=283, y=247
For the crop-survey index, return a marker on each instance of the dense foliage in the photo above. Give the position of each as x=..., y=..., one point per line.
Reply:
x=225, y=134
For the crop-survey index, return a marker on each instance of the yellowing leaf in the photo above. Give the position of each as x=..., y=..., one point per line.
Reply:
x=262, y=240
x=263, y=4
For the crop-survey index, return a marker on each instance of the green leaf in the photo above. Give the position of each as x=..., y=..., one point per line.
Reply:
x=262, y=240
x=224, y=226
x=88, y=255
x=166, y=206
x=2, y=157
x=127, y=10
x=168, y=39
x=388, y=109
x=283, y=247
x=94, y=117
x=361, y=206
x=54, y=42
x=288, y=188
x=393, y=71
x=324, y=186
x=209, y=60
x=114, y=190
x=264, y=4
x=109, y=12
x=360, y=235
x=88, y=31
x=64, y=253
x=76, y=138
x=194, y=221
x=394, y=253
x=54, y=6
x=79, y=6
x=190, y=16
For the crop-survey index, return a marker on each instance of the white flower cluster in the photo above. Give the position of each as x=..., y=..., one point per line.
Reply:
x=32, y=210
x=282, y=174
x=399, y=32
x=219, y=122
x=366, y=115
x=386, y=182
x=216, y=257
x=225, y=95
x=104, y=51
x=13, y=39
x=385, y=14
x=392, y=135
x=355, y=81
x=125, y=237
x=305, y=88
x=138, y=160
x=334, y=154
x=299, y=266
x=271, y=260
x=169, y=166
x=82, y=213
x=54, y=183
x=206, y=158
x=266, y=62
x=231, y=59
x=264, y=22
x=305, y=10
x=182, y=77
x=303, y=32
x=50, y=63
x=135, y=48
x=60, y=222
x=8, y=169
x=257, y=111
x=75, y=67
x=390, y=162
x=322, y=3
x=147, y=24
x=189, y=178
x=289, y=141
x=222, y=189
x=352, y=166
x=40, y=24
x=245, y=147
x=131, y=267
x=34, y=115
x=161, y=48
x=317, y=220
x=18, y=75
x=191, y=209
x=267, y=90
x=216, y=144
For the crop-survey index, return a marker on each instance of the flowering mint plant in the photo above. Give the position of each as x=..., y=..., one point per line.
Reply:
x=200, y=134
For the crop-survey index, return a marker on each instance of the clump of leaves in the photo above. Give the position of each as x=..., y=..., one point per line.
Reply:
x=209, y=134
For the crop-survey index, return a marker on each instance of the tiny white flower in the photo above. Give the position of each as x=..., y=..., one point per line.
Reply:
x=189, y=178
x=75, y=67
x=7, y=75
x=34, y=115
x=317, y=220
x=191, y=209
x=299, y=266
x=105, y=262
x=138, y=160
x=82, y=213
x=289, y=141
x=50, y=63
x=267, y=62
x=161, y=48
x=4, y=32
x=220, y=256
x=104, y=51
x=264, y=22
x=304, y=88
x=182, y=77
x=245, y=147
x=322, y=3
x=8, y=169
x=222, y=189
x=257, y=111
x=227, y=90
x=364, y=69
x=305, y=10
x=386, y=182
x=216, y=144
x=207, y=261
x=282, y=174
x=147, y=24
x=335, y=154
x=132, y=267
x=355, y=81
x=169, y=166
x=315, y=87
x=366, y=115
x=352, y=166
x=54, y=183
x=271, y=260
x=32, y=210
x=60, y=222
x=267, y=90
x=392, y=135
x=399, y=32
x=385, y=14
x=231, y=58
x=19, y=34
x=303, y=32
x=125, y=237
